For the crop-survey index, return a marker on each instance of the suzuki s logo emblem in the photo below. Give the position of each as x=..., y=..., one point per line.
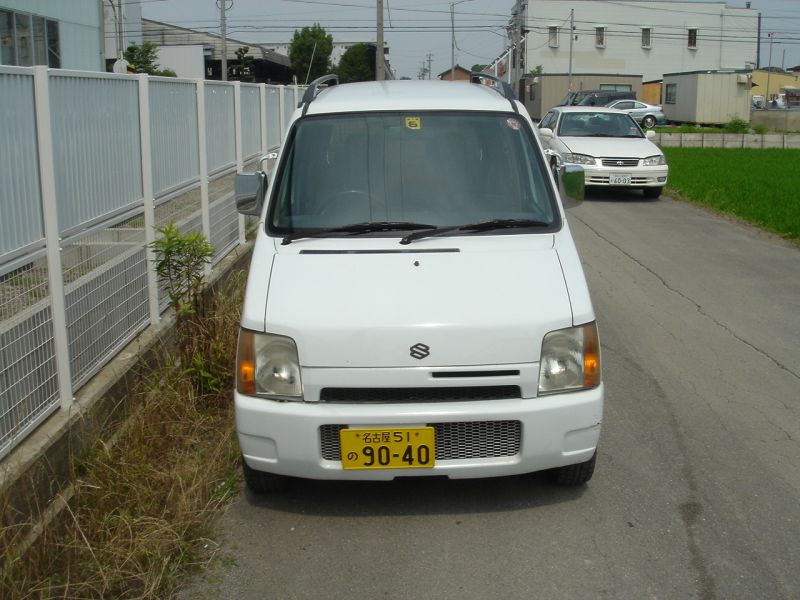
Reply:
x=420, y=351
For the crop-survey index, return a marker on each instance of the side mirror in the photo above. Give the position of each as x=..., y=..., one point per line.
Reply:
x=649, y=134
x=571, y=185
x=249, y=189
x=545, y=132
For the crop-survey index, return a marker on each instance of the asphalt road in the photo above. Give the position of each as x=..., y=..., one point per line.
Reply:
x=697, y=489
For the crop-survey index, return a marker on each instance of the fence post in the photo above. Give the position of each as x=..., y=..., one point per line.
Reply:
x=47, y=181
x=282, y=111
x=237, y=124
x=147, y=197
x=262, y=89
x=202, y=156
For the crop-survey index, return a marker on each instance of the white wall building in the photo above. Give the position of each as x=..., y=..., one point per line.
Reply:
x=640, y=37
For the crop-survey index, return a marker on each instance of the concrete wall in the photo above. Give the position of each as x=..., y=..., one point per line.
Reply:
x=727, y=140
x=776, y=120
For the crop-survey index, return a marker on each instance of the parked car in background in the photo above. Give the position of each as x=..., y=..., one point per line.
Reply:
x=647, y=115
x=608, y=144
x=595, y=97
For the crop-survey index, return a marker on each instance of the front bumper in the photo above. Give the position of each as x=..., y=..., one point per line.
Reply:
x=285, y=437
x=639, y=176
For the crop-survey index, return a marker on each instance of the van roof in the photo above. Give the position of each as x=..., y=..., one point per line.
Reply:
x=406, y=95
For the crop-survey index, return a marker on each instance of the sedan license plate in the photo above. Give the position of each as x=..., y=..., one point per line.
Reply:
x=411, y=448
x=620, y=179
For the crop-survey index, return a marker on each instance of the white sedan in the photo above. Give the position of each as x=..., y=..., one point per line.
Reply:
x=608, y=144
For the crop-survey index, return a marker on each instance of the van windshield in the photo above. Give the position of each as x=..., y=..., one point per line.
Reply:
x=442, y=169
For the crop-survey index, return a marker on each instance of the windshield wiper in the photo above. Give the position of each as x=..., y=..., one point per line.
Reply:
x=474, y=227
x=357, y=228
x=600, y=135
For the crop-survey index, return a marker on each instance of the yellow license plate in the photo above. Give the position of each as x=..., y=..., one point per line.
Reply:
x=411, y=448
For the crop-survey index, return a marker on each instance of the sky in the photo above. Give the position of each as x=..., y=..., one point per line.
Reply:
x=413, y=29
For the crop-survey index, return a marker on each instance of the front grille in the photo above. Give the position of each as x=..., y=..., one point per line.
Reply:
x=454, y=441
x=421, y=394
x=620, y=162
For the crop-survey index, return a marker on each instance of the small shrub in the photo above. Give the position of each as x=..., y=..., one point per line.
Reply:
x=737, y=125
x=760, y=129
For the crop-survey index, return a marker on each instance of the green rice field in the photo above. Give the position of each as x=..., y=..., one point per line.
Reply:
x=755, y=185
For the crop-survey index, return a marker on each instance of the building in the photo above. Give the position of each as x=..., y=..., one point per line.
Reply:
x=638, y=37
x=457, y=73
x=707, y=97
x=548, y=89
x=184, y=50
x=769, y=83
x=65, y=35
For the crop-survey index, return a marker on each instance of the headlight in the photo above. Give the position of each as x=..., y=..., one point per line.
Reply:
x=652, y=161
x=578, y=159
x=267, y=365
x=570, y=360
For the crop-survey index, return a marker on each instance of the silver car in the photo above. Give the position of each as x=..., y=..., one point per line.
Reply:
x=648, y=115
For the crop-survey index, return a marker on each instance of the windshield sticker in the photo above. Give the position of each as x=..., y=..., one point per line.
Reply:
x=514, y=123
x=413, y=122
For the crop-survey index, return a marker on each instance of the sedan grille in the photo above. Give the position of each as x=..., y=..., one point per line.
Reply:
x=422, y=394
x=454, y=441
x=620, y=162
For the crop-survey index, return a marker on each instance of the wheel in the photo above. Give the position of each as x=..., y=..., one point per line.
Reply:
x=652, y=192
x=261, y=482
x=575, y=474
x=649, y=122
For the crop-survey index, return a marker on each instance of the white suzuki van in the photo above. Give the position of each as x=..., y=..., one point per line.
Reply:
x=415, y=303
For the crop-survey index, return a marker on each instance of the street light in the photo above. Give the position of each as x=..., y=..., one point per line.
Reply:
x=453, y=38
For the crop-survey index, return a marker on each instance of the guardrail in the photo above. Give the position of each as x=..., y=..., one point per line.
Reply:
x=92, y=164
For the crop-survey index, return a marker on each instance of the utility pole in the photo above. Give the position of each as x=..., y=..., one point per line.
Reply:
x=571, y=39
x=430, y=58
x=380, y=64
x=223, y=26
x=769, y=68
x=452, y=41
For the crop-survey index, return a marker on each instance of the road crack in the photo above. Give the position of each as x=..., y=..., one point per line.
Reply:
x=697, y=306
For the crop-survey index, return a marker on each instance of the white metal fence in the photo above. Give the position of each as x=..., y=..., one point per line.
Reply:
x=90, y=165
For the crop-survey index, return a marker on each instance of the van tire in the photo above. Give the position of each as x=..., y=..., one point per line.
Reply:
x=573, y=475
x=649, y=122
x=652, y=192
x=261, y=482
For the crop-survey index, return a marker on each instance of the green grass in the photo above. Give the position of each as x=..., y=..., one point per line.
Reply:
x=758, y=186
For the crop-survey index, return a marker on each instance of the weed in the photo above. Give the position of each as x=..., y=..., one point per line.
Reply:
x=760, y=129
x=737, y=125
x=142, y=508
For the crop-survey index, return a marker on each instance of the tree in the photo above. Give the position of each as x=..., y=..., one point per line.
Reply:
x=357, y=64
x=143, y=59
x=477, y=68
x=307, y=43
x=537, y=70
x=243, y=71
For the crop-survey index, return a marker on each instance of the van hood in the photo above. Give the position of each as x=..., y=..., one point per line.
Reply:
x=351, y=307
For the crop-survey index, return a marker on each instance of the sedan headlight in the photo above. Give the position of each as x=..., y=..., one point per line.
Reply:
x=578, y=159
x=653, y=161
x=267, y=365
x=570, y=360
